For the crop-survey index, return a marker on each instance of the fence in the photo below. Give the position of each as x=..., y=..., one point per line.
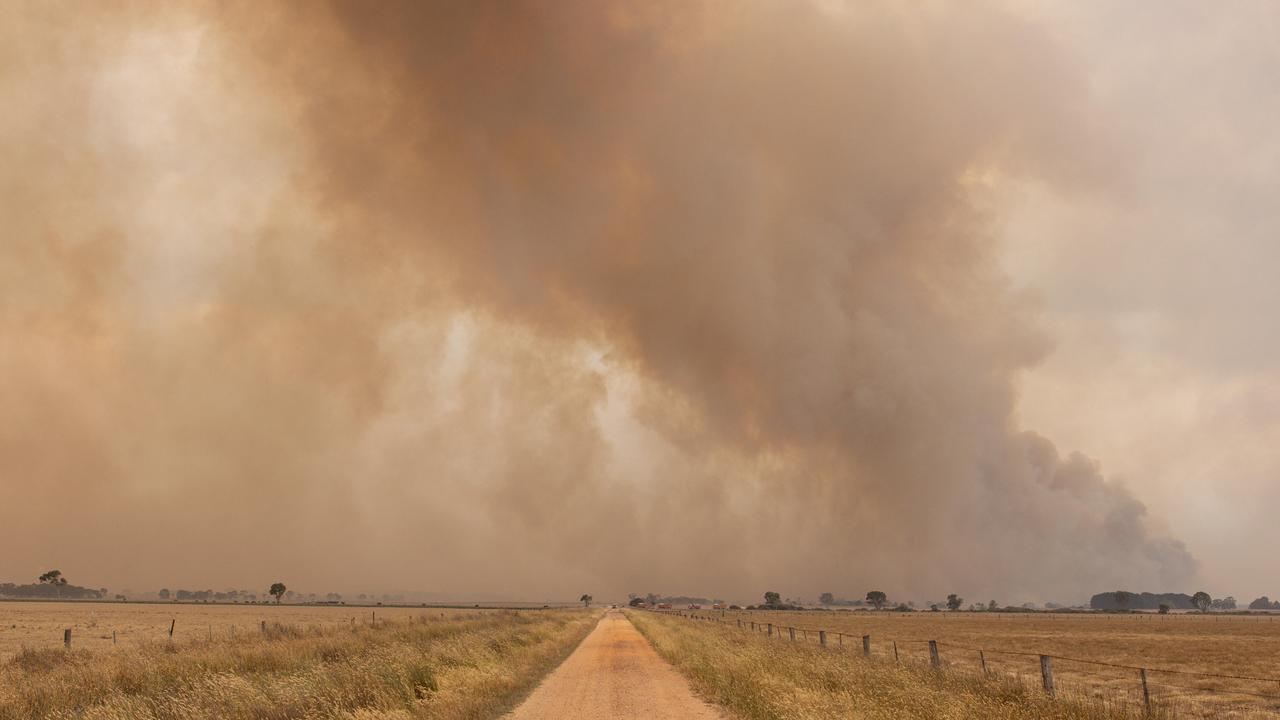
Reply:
x=1147, y=686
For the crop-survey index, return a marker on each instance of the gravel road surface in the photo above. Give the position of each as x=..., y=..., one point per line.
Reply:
x=614, y=675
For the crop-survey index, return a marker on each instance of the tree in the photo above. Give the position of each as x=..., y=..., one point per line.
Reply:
x=1123, y=598
x=585, y=600
x=877, y=599
x=991, y=606
x=772, y=598
x=1164, y=608
x=637, y=601
x=827, y=599
x=954, y=602
x=164, y=593
x=54, y=578
x=1202, y=600
x=278, y=590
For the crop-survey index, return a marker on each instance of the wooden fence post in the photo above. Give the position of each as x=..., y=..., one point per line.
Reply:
x=934, y=659
x=895, y=651
x=982, y=656
x=264, y=627
x=172, y=624
x=1146, y=692
x=66, y=638
x=1046, y=671
x=822, y=638
x=770, y=633
x=792, y=632
x=866, y=646
x=113, y=637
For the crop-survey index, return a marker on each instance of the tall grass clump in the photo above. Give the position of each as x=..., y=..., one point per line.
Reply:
x=470, y=667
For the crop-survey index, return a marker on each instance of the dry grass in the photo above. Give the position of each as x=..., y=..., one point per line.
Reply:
x=40, y=624
x=463, y=666
x=1223, y=644
x=765, y=678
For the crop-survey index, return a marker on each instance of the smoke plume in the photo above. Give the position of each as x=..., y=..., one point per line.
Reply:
x=527, y=298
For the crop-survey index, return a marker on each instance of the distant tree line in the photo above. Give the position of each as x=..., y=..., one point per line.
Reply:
x=1124, y=600
x=45, y=591
x=207, y=595
x=830, y=600
x=278, y=591
x=52, y=585
x=875, y=598
x=654, y=599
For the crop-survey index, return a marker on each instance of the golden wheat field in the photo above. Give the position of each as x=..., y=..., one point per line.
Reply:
x=1185, y=643
x=308, y=663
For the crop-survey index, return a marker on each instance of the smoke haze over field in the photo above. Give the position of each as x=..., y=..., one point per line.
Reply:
x=534, y=298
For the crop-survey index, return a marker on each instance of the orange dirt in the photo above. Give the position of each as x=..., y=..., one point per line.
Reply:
x=616, y=675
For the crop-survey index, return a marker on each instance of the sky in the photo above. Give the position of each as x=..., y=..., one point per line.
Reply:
x=1159, y=299
x=522, y=300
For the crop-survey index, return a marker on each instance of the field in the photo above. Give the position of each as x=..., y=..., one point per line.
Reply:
x=41, y=624
x=762, y=678
x=1189, y=643
x=312, y=662
x=384, y=663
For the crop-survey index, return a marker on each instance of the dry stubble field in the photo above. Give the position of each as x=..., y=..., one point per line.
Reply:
x=313, y=662
x=1218, y=644
x=40, y=624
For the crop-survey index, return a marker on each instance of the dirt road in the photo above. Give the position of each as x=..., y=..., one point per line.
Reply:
x=615, y=675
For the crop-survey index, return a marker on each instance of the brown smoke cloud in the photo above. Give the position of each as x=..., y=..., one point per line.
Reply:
x=523, y=298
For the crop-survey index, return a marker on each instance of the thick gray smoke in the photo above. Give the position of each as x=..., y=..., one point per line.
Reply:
x=522, y=298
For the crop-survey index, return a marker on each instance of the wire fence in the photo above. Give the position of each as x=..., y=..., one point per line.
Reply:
x=1146, y=687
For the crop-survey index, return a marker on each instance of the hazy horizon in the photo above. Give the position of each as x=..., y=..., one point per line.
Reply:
x=528, y=300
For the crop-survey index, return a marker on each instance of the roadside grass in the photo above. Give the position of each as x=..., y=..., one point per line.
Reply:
x=762, y=678
x=462, y=667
